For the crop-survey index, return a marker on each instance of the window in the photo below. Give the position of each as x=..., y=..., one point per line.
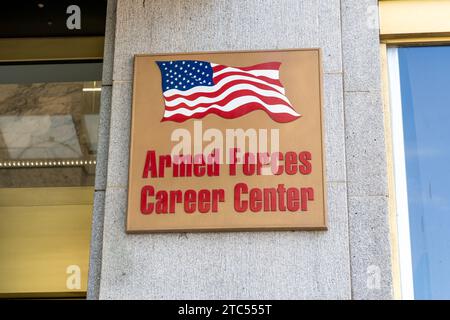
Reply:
x=419, y=79
x=49, y=115
x=48, y=124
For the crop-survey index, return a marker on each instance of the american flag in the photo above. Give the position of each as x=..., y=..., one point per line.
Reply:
x=194, y=89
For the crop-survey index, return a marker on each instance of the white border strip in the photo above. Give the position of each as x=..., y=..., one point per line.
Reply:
x=401, y=191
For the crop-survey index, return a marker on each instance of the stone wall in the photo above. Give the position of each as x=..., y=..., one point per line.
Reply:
x=334, y=264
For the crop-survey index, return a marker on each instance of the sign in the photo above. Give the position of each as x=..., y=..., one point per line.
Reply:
x=227, y=141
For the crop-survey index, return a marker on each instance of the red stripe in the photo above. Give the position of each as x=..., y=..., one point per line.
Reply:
x=238, y=112
x=261, y=66
x=221, y=90
x=217, y=79
x=218, y=68
x=230, y=97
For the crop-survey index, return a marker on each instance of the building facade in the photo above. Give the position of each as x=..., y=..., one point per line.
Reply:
x=364, y=253
x=340, y=263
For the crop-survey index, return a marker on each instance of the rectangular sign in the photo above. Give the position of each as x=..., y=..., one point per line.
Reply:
x=227, y=141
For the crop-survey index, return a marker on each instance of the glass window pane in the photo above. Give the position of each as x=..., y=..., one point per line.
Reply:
x=425, y=87
x=48, y=124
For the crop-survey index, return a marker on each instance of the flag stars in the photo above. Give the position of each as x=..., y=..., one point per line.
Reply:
x=185, y=74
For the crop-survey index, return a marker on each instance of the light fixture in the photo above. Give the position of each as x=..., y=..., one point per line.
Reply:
x=44, y=163
x=91, y=89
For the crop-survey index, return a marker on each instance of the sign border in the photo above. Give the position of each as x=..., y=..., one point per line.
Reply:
x=323, y=227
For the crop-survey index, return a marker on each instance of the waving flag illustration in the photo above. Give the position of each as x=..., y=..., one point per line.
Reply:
x=194, y=89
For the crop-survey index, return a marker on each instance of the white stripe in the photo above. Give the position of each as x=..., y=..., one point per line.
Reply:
x=217, y=86
x=234, y=104
x=242, y=86
x=273, y=74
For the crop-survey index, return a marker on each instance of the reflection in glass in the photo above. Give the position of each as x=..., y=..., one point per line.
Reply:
x=40, y=137
x=425, y=86
x=48, y=133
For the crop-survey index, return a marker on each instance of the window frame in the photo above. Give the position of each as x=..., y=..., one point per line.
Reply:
x=403, y=23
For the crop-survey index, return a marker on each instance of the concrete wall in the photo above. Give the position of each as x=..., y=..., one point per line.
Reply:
x=337, y=263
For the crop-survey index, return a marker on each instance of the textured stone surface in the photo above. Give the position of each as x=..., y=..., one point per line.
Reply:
x=291, y=265
x=103, y=139
x=95, y=253
x=333, y=115
x=370, y=248
x=365, y=150
x=366, y=153
x=201, y=26
x=221, y=265
x=360, y=45
x=119, y=139
x=329, y=20
x=110, y=30
x=239, y=265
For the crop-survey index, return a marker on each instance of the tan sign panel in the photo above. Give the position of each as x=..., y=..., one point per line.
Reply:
x=227, y=141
